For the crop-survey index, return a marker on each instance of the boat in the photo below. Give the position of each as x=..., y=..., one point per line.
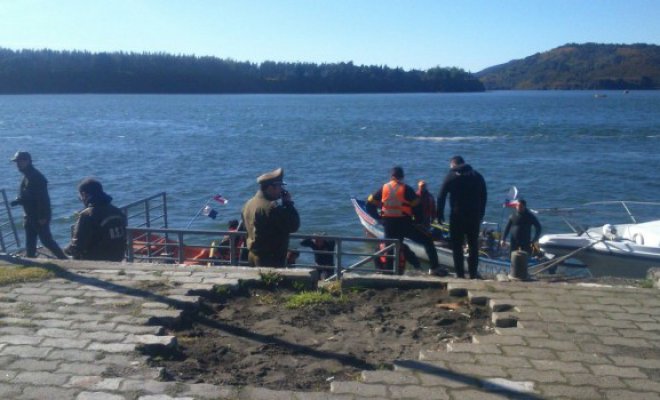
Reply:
x=622, y=250
x=493, y=260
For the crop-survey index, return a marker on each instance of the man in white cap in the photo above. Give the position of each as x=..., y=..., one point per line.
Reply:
x=33, y=196
x=269, y=223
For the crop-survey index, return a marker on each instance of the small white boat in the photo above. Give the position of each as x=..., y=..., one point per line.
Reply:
x=625, y=250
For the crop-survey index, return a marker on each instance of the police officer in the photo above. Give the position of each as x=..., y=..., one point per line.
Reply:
x=269, y=223
x=33, y=196
x=100, y=232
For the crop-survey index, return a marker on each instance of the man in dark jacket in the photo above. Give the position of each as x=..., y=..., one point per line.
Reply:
x=268, y=224
x=33, y=196
x=100, y=232
x=467, y=199
x=520, y=225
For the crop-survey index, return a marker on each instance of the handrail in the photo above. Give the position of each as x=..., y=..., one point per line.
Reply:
x=8, y=235
x=181, y=246
x=145, y=207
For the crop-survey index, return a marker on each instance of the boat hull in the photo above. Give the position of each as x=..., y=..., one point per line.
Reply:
x=488, y=267
x=604, y=258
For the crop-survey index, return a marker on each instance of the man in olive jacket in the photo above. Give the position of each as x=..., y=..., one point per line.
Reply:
x=268, y=223
x=33, y=196
x=100, y=232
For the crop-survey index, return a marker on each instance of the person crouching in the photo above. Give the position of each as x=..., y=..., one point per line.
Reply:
x=100, y=232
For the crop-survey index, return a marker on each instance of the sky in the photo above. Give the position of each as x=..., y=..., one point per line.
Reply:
x=411, y=34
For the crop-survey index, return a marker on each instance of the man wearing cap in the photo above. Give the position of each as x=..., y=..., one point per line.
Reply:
x=268, y=223
x=397, y=202
x=33, y=196
x=100, y=232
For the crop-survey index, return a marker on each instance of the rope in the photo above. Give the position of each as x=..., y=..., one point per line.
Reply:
x=556, y=261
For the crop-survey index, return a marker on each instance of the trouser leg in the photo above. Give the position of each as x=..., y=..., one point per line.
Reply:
x=473, y=246
x=425, y=239
x=30, y=239
x=393, y=230
x=457, y=237
x=267, y=260
x=47, y=240
x=411, y=257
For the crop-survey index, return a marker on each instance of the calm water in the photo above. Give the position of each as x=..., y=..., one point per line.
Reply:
x=559, y=148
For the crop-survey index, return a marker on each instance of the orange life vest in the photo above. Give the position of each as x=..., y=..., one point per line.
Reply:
x=394, y=200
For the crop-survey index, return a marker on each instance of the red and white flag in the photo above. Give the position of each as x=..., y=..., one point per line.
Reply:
x=220, y=199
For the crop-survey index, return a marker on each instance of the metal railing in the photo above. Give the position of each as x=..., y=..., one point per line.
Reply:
x=218, y=248
x=8, y=235
x=150, y=212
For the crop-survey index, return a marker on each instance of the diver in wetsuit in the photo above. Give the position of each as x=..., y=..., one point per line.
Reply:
x=520, y=225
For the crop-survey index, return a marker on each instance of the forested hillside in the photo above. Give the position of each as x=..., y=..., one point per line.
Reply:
x=580, y=66
x=46, y=71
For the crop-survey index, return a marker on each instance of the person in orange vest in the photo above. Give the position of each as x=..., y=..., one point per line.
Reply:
x=427, y=204
x=397, y=201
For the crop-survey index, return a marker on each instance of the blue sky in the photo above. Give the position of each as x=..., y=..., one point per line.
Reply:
x=469, y=34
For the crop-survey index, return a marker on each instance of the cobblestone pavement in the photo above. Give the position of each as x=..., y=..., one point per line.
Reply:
x=84, y=335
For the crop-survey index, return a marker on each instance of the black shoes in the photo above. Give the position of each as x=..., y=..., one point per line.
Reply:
x=441, y=272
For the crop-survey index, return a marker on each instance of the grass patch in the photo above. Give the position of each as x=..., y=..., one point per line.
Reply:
x=15, y=274
x=646, y=283
x=305, y=299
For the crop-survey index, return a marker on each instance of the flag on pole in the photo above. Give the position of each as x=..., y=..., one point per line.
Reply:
x=220, y=199
x=511, y=199
x=209, y=212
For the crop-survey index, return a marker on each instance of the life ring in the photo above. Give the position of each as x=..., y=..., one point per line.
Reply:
x=638, y=238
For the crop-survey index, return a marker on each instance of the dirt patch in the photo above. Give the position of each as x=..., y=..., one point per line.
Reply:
x=254, y=339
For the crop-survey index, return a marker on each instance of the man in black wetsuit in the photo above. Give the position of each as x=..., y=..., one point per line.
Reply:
x=520, y=225
x=467, y=199
x=33, y=196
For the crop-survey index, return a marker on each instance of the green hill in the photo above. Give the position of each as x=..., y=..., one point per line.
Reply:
x=580, y=66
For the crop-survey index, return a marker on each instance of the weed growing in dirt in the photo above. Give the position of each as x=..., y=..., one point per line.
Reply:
x=299, y=286
x=222, y=291
x=305, y=299
x=334, y=288
x=271, y=279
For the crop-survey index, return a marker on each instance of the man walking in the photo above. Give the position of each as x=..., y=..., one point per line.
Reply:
x=467, y=199
x=33, y=196
x=268, y=224
x=397, y=201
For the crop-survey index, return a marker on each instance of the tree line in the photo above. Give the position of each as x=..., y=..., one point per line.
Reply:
x=49, y=71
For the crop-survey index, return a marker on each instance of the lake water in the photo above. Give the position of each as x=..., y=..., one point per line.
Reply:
x=559, y=148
